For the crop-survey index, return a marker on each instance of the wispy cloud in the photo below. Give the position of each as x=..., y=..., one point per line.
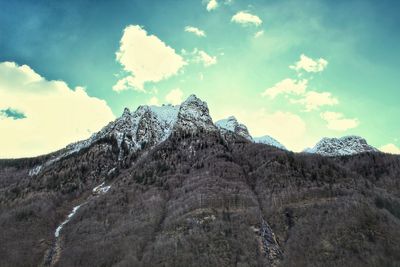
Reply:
x=199, y=56
x=313, y=100
x=309, y=65
x=337, y=122
x=245, y=18
x=140, y=55
x=212, y=5
x=195, y=30
x=286, y=86
x=259, y=34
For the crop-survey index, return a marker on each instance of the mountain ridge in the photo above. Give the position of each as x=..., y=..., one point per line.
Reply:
x=150, y=125
x=199, y=197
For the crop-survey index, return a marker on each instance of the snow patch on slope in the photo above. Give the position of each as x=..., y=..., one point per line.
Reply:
x=60, y=227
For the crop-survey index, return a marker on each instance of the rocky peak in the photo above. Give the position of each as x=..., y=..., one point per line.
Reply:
x=147, y=126
x=347, y=145
x=194, y=115
x=232, y=125
x=126, y=112
x=268, y=140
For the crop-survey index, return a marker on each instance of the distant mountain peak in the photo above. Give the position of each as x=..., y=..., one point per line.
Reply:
x=231, y=124
x=343, y=146
x=268, y=140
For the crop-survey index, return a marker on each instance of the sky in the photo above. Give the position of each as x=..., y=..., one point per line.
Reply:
x=295, y=70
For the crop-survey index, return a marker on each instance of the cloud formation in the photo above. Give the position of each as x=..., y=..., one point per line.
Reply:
x=309, y=65
x=286, y=86
x=313, y=100
x=259, y=34
x=390, y=148
x=54, y=114
x=145, y=58
x=245, y=18
x=174, y=97
x=199, y=56
x=212, y=5
x=337, y=122
x=195, y=31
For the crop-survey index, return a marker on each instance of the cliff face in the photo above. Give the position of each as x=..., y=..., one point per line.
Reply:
x=200, y=199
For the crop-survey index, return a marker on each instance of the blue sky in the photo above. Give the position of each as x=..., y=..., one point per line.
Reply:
x=231, y=67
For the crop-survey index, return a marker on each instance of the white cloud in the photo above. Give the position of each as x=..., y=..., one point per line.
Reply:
x=206, y=59
x=313, y=100
x=145, y=58
x=174, y=97
x=259, y=34
x=212, y=5
x=286, y=86
x=199, y=56
x=55, y=115
x=337, y=122
x=390, y=148
x=153, y=101
x=195, y=30
x=245, y=18
x=309, y=65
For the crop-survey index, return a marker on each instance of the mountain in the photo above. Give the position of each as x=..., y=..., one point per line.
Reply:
x=268, y=140
x=344, y=146
x=232, y=125
x=146, y=127
x=164, y=186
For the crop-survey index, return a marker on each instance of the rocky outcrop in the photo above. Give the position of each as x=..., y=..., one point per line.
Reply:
x=344, y=146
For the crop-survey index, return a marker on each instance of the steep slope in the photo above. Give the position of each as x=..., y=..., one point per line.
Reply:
x=344, y=146
x=232, y=125
x=146, y=127
x=268, y=140
x=191, y=197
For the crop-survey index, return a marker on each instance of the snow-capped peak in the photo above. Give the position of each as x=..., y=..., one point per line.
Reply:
x=147, y=126
x=268, y=140
x=346, y=145
x=194, y=115
x=231, y=124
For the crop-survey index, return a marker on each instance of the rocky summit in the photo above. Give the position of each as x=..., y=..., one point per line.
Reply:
x=344, y=146
x=166, y=186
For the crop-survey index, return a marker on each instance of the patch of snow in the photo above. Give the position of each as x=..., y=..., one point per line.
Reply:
x=268, y=140
x=101, y=189
x=59, y=228
x=232, y=125
x=35, y=170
